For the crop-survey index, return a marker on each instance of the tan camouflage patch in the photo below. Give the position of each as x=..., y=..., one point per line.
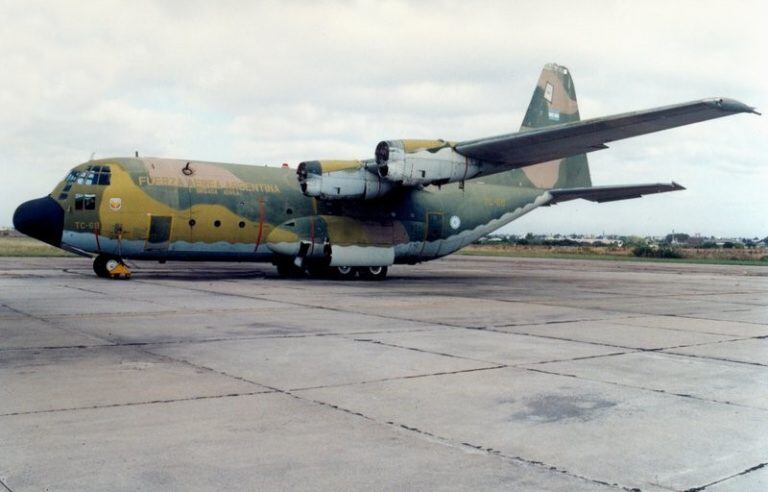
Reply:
x=160, y=169
x=339, y=165
x=559, y=100
x=543, y=175
x=414, y=145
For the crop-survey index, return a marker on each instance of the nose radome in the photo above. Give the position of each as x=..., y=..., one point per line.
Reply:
x=41, y=219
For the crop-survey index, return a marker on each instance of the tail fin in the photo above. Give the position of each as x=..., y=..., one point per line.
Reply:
x=554, y=103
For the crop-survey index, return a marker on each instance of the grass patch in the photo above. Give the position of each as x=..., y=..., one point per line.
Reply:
x=610, y=254
x=26, y=246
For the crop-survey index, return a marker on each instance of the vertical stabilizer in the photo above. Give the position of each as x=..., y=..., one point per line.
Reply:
x=554, y=103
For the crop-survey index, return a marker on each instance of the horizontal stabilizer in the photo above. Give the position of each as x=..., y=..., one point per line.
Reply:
x=536, y=145
x=602, y=194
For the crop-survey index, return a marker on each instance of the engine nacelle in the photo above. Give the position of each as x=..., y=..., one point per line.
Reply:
x=423, y=162
x=341, y=180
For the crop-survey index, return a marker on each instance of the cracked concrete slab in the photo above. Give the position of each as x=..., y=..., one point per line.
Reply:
x=616, y=333
x=709, y=379
x=748, y=481
x=25, y=332
x=587, y=428
x=260, y=442
x=735, y=329
x=289, y=363
x=751, y=351
x=96, y=376
x=154, y=385
x=500, y=348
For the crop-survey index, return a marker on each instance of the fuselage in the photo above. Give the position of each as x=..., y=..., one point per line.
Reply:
x=168, y=209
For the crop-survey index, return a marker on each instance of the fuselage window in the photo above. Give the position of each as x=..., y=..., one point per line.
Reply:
x=216, y=223
x=85, y=201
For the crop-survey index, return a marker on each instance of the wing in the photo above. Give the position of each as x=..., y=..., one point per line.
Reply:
x=602, y=194
x=554, y=142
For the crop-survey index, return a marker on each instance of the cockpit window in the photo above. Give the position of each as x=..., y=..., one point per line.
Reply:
x=93, y=175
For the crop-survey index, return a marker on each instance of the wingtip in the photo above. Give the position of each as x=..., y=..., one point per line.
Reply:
x=677, y=186
x=732, y=105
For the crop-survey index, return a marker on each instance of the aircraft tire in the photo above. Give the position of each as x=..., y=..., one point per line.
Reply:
x=320, y=271
x=289, y=270
x=344, y=273
x=373, y=273
x=100, y=266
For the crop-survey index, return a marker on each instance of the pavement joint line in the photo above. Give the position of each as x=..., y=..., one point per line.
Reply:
x=144, y=314
x=136, y=403
x=728, y=340
x=643, y=388
x=214, y=340
x=619, y=322
x=55, y=325
x=585, y=357
x=415, y=349
x=501, y=364
x=745, y=472
x=710, y=357
x=91, y=291
x=6, y=487
x=400, y=378
x=638, y=349
x=691, y=316
x=487, y=451
x=552, y=337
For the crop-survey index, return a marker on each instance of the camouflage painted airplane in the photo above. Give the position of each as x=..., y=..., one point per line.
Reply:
x=415, y=201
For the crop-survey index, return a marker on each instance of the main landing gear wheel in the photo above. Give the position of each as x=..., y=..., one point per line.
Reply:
x=373, y=273
x=289, y=269
x=345, y=272
x=110, y=267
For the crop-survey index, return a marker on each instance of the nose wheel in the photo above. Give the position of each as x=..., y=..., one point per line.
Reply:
x=111, y=267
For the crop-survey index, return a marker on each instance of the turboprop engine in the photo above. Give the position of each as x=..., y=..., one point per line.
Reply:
x=397, y=163
x=341, y=180
x=423, y=162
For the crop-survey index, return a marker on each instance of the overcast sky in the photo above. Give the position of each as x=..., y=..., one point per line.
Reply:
x=272, y=82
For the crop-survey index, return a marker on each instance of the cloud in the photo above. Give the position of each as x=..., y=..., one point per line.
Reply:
x=270, y=82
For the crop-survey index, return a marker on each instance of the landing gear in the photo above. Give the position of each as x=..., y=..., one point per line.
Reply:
x=289, y=269
x=344, y=272
x=373, y=273
x=111, y=267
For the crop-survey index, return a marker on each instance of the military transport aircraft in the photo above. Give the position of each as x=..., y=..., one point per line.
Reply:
x=416, y=200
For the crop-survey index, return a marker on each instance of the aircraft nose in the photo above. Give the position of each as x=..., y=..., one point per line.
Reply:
x=41, y=219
